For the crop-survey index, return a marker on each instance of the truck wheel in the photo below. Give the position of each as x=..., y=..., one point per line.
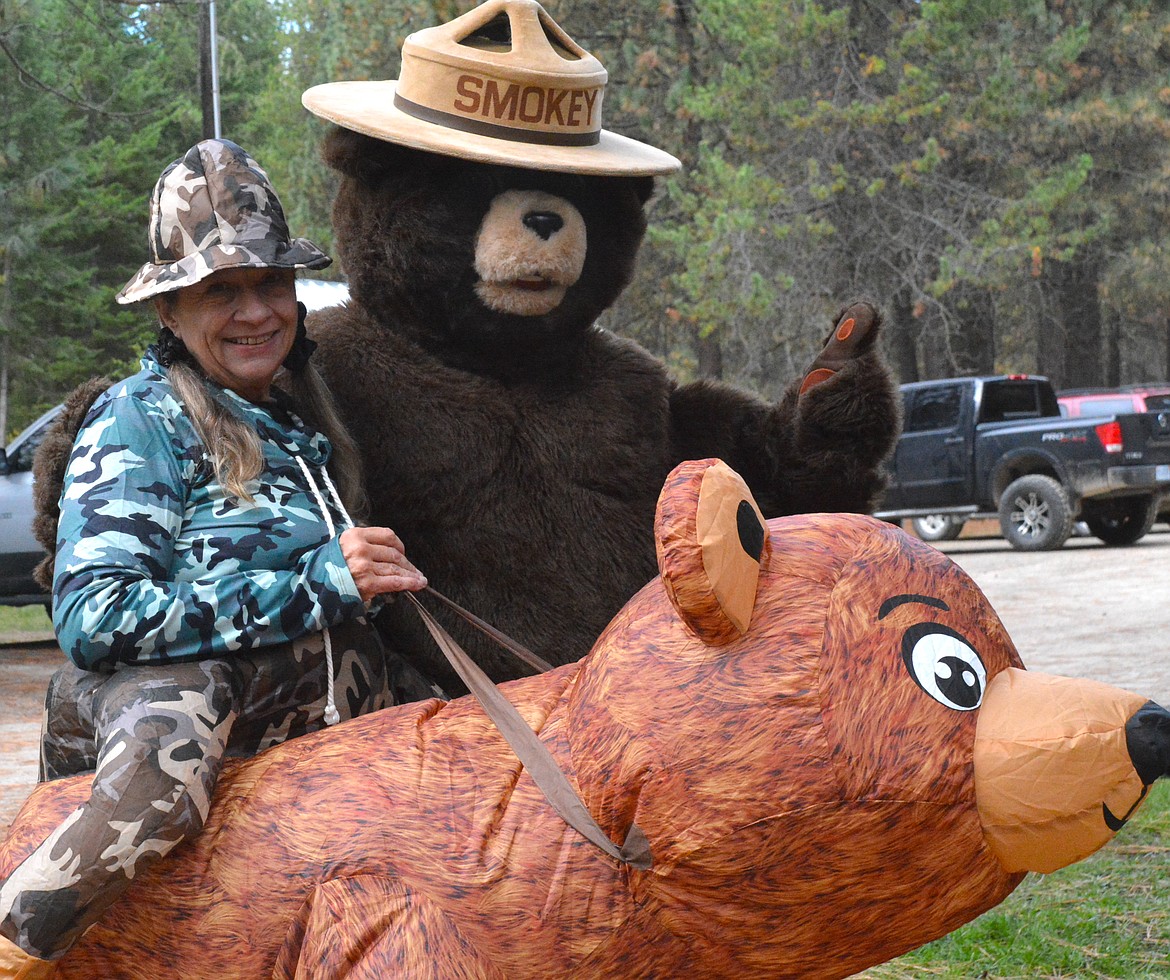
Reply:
x=938, y=527
x=1034, y=514
x=1123, y=521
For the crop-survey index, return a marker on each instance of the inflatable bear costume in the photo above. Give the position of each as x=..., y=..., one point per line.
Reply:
x=832, y=761
x=485, y=221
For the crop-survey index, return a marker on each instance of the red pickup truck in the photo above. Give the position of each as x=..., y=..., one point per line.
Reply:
x=1080, y=402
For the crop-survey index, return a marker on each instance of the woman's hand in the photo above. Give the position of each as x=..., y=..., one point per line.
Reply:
x=377, y=562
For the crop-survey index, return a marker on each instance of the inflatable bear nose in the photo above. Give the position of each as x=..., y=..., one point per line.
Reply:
x=544, y=223
x=1061, y=763
x=1147, y=736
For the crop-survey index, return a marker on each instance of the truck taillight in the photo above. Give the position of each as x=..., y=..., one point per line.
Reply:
x=1110, y=435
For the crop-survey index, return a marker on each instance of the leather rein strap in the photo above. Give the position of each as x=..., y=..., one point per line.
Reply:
x=529, y=749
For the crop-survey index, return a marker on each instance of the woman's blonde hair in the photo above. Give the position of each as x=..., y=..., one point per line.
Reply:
x=234, y=447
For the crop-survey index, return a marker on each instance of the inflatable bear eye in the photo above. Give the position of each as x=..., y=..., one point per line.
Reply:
x=711, y=538
x=944, y=665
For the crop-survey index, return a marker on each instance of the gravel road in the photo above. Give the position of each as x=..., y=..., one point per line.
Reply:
x=1085, y=611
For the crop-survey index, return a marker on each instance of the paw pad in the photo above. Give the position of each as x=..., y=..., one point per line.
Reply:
x=855, y=325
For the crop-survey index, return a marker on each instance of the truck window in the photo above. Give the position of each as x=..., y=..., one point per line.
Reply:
x=934, y=408
x=1007, y=400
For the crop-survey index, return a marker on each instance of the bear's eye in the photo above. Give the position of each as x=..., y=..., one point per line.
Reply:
x=751, y=532
x=944, y=665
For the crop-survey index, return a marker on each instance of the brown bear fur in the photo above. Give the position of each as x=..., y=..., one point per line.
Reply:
x=520, y=457
x=49, y=464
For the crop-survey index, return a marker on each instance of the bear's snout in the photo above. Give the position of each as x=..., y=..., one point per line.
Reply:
x=529, y=250
x=1055, y=768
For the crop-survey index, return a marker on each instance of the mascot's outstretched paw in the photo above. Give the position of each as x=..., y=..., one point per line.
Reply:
x=853, y=327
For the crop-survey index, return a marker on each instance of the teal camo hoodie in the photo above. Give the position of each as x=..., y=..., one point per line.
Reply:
x=157, y=563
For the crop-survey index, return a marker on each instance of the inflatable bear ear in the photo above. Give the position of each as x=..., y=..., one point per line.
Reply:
x=711, y=538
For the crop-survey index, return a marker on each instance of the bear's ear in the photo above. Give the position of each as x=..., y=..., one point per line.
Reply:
x=359, y=156
x=711, y=538
x=644, y=188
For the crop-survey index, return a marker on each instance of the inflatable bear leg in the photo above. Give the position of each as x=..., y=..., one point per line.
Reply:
x=855, y=326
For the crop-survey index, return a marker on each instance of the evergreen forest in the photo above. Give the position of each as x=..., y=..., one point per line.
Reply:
x=995, y=174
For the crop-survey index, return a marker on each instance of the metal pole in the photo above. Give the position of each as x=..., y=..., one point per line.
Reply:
x=214, y=70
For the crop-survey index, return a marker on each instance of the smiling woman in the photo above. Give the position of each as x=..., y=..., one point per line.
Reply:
x=239, y=324
x=200, y=530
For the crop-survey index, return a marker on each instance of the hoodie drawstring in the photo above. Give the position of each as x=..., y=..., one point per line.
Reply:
x=331, y=715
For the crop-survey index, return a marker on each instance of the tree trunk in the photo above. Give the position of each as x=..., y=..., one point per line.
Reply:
x=901, y=336
x=1071, y=291
x=1112, y=356
x=5, y=331
x=709, y=355
x=934, y=347
x=1166, y=366
x=1050, y=340
x=973, y=340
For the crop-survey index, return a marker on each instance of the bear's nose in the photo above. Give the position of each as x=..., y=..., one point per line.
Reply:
x=544, y=223
x=1147, y=736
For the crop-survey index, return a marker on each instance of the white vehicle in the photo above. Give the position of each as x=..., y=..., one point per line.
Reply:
x=19, y=550
x=316, y=294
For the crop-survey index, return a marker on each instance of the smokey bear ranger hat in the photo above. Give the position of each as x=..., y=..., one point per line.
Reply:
x=214, y=208
x=500, y=84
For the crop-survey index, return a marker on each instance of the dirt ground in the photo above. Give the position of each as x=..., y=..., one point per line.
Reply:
x=24, y=674
x=1085, y=611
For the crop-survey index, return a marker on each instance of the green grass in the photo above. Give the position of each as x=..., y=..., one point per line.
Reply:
x=1107, y=916
x=24, y=624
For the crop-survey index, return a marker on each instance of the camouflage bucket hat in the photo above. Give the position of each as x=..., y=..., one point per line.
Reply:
x=212, y=209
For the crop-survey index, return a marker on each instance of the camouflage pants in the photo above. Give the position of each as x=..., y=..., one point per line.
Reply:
x=156, y=737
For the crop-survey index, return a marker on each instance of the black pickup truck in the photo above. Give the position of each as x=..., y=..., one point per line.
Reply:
x=998, y=446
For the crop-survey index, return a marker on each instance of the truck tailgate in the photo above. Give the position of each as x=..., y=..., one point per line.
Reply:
x=1146, y=437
